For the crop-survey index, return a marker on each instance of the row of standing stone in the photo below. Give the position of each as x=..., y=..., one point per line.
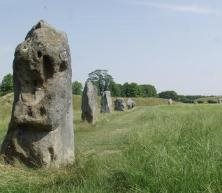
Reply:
x=40, y=132
x=89, y=103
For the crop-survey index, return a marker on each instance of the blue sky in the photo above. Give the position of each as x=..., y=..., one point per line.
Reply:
x=172, y=44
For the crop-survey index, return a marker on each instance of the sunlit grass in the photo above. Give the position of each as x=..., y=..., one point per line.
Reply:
x=151, y=149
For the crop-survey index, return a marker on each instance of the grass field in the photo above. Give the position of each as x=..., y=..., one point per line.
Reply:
x=151, y=149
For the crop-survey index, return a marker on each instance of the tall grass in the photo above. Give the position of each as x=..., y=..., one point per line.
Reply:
x=158, y=149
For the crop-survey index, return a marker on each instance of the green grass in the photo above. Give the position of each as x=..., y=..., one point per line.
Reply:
x=151, y=149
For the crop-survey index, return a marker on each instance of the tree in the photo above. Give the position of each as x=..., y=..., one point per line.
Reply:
x=6, y=84
x=148, y=90
x=168, y=95
x=189, y=98
x=101, y=79
x=130, y=90
x=115, y=89
x=77, y=88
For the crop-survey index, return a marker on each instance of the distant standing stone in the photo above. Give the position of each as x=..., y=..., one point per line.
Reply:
x=219, y=101
x=130, y=103
x=170, y=102
x=89, y=102
x=120, y=104
x=41, y=129
x=106, y=102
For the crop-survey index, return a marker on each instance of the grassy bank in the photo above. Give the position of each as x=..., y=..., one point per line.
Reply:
x=151, y=149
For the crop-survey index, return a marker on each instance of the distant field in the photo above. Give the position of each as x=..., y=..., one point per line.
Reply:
x=150, y=149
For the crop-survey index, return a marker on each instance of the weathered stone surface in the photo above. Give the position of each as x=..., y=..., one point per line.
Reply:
x=106, y=102
x=120, y=104
x=89, y=102
x=130, y=103
x=170, y=101
x=41, y=129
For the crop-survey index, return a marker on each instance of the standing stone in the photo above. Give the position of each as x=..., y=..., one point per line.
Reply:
x=89, y=102
x=130, y=103
x=106, y=102
x=170, y=102
x=219, y=101
x=120, y=104
x=40, y=132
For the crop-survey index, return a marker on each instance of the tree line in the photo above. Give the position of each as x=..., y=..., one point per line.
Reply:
x=104, y=81
x=122, y=90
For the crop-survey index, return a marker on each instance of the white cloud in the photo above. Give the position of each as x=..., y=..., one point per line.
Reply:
x=197, y=9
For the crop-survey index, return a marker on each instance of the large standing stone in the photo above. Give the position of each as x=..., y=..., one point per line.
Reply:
x=130, y=103
x=106, y=102
x=120, y=104
x=41, y=129
x=89, y=102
